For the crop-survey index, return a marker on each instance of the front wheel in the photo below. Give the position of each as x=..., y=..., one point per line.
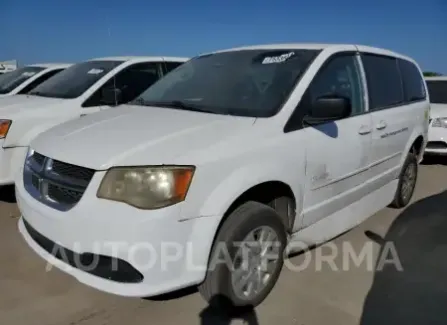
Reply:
x=246, y=259
x=407, y=182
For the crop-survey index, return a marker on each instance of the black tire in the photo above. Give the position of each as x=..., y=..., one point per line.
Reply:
x=217, y=288
x=285, y=207
x=400, y=200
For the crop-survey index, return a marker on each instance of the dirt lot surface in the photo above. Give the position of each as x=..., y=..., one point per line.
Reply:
x=340, y=293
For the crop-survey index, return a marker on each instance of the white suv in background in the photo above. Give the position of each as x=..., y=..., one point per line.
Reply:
x=236, y=152
x=82, y=89
x=437, y=134
x=23, y=80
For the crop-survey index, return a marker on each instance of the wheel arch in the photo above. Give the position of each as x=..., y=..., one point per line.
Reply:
x=416, y=144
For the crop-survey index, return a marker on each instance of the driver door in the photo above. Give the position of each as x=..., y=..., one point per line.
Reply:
x=337, y=152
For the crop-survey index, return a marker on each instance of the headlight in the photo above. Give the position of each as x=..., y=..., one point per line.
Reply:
x=147, y=187
x=4, y=127
x=440, y=122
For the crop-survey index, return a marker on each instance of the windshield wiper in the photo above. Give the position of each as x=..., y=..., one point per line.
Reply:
x=139, y=101
x=42, y=94
x=177, y=104
x=36, y=93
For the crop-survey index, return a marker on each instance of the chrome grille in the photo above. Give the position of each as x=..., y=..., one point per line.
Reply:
x=38, y=158
x=73, y=171
x=63, y=195
x=55, y=183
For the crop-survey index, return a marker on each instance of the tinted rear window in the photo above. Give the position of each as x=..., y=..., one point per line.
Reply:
x=385, y=87
x=414, y=85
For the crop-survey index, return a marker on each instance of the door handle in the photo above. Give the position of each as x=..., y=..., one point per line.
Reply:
x=381, y=125
x=364, y=129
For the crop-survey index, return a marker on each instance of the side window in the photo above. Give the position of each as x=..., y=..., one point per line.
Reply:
x=384, y=81
x=169, y=66
x=38, y=81
x=340, y=77
x=414, y=86
x=131, y=81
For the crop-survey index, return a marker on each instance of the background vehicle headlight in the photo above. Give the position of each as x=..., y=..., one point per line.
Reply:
x=440, y=122
x=4, y=127
x=147, y=187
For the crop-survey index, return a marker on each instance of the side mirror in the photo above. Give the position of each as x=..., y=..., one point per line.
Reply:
x=111, y=96
x=328, y=108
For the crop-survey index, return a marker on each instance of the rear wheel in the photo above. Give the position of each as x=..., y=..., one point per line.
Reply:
x=251, y=243
x=407, y=182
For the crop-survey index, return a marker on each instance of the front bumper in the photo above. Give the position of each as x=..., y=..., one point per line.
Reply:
x=10, y=161
x=437, y=141
x=158, y=253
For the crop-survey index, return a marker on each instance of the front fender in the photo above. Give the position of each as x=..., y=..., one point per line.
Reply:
x=234, y=184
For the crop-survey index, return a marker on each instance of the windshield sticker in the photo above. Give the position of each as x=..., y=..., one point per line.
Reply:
x=28, y=74
x=95, y=71
x=277, y=59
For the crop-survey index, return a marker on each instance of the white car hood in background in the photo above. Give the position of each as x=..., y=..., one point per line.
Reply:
x=438, y=110
x=135, y=135
x=14, y=106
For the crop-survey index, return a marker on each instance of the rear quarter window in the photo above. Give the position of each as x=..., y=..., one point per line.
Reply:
x=414, y=85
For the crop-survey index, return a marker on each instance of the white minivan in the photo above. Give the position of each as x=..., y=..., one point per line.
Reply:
x=217, y=169
x=437, y=133
x=24, y=79
x=84, y=88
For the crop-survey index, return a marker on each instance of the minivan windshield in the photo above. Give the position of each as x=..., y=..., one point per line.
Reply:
x=437, y=90
x=251, y=83
x=75, y=80
x=11, y=80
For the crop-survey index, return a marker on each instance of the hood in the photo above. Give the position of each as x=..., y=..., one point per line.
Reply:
x=136, y=135
x=438, y=110
x=16, y=105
